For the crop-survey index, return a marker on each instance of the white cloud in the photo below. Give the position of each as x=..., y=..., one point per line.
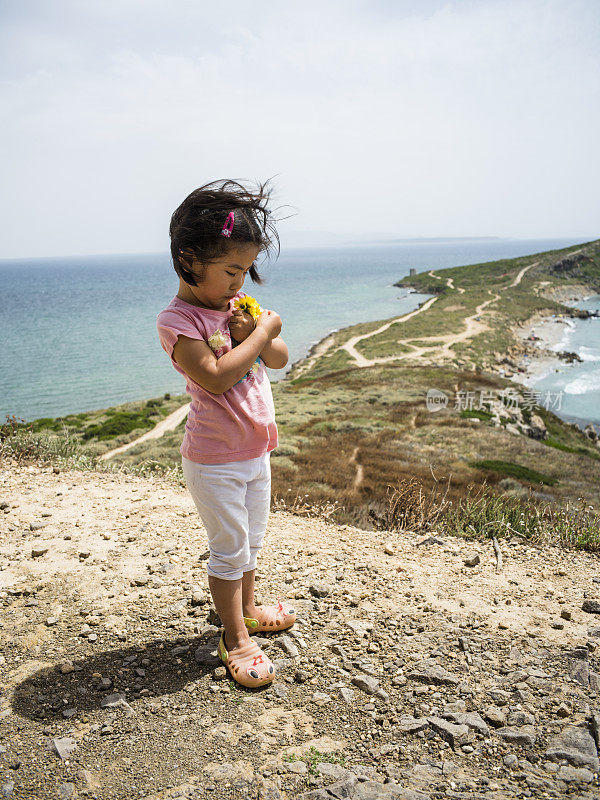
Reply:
x=441, y=118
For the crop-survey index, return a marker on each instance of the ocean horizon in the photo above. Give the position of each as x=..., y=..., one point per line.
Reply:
x=79, y=333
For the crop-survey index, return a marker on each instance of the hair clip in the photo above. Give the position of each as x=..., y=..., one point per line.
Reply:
x=228, y=227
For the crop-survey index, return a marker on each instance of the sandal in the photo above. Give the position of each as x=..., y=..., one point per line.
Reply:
x=248, y=665
x=272, y=618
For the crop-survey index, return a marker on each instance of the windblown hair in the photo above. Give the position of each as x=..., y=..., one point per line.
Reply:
x=196, y=225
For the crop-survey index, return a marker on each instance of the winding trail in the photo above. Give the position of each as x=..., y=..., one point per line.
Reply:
x=473, y=327
x=167, y=424
x=361, y=361
x=519, y=277
x=358, y=478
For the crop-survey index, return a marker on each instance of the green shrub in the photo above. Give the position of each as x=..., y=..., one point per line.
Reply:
x=515, y=471
x=587, y=451
x=118, y=424
x=46, y=423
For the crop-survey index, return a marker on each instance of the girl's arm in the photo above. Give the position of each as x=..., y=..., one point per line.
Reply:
x=217, y=375
x=275, y=353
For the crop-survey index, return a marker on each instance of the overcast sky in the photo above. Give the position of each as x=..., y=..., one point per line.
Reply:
x=391, y=118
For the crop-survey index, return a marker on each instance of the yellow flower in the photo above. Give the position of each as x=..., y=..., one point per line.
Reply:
x=248, y=304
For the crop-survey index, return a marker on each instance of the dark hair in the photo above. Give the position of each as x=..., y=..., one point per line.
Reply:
x=196, y=226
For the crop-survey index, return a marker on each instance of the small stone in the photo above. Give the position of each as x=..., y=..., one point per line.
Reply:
x=408, y=724
x=495, y=716
x=431, y=540
x=92, y=637
x=287, y=645
x=499, y=696
x=510, y=761
x=469, y=718
x=335, y=771
x=66, y=667
x=448, y=730
x=219, y=673
x=574, y=775
x=277, y=690
x=579, y=670
x=524, y=736
x=83, y=554
x=297, y=767
x=472, y=560
x=563, y=711
x=117, y=700
x=431, y=672
x=38, y=551
x=565, y=614
x=63, y=746
x=37, y=526
x=389, y=549
x=575, y=745
x=301, y=676
x=51, y=621
x=198, y=599
x=318, y=590
x=347, y=695
x=591, y=606
x=520, y=718
x=67, y=791
x=320, y=698
x=370, y=686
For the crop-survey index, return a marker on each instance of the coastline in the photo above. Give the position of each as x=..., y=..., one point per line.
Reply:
x=542, y=335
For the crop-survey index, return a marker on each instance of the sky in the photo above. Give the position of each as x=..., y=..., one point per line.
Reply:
x=373, y=118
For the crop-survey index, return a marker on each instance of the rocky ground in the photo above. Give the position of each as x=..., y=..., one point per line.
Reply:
x=419, y=667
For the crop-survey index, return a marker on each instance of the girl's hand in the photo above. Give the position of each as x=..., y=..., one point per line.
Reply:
x=241, y=325
x=270, y=321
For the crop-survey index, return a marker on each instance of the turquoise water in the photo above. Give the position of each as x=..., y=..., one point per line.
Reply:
x=79, y=334
x=575, y=388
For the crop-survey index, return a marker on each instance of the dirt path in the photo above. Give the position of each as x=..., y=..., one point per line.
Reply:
x=473, y=327
x=519, y=277
x=405, y=664
x=167, y=424
x=316, y=352
x=361, y=361
x=358, y=478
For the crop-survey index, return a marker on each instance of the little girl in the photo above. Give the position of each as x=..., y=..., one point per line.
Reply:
x=216, y=235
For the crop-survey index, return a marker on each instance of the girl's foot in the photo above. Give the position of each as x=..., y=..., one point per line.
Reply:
x=271, y=618
x=248, y=665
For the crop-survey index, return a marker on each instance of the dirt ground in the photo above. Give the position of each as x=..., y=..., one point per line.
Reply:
x=410, y=673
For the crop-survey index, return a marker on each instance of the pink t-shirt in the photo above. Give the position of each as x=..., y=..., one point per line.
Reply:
x=236, y=425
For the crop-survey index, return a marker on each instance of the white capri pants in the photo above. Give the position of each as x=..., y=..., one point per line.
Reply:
x=233, y=501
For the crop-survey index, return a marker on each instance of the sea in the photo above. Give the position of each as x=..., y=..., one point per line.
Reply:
x=572, y=391
x=79, y=333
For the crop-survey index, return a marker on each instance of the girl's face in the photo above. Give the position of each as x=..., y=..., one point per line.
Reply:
x=220, y=280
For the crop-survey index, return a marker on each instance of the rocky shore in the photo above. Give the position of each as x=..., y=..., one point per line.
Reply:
x=419, y=667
